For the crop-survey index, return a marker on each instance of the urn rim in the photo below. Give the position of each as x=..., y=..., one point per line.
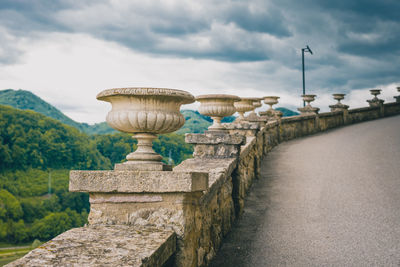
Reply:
x=185, y=97
x=252, y=98
x=218, y=96
x=308, y=95
x=271, y=97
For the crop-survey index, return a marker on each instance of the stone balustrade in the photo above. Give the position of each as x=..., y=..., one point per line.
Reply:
x=147, y=214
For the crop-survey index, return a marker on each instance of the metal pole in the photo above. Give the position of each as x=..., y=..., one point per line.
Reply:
x=304, y=83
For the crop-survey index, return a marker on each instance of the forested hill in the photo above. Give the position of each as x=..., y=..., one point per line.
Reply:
x=287, y=112
x=22, y=99
x=36, y=154
x=31, y=140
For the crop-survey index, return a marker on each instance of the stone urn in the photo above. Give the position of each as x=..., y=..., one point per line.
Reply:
x=375, y=102
x=271, y=100
x=217, y=106
x=257, y=103
x=397, y=97
x=244, y=105
x=308, y=108
x=338, y=106
x=145, y=112
x=375, y=93
x=253, y=115
x=338, y=97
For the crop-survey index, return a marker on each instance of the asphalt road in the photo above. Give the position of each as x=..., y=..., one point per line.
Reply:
x=331, y=199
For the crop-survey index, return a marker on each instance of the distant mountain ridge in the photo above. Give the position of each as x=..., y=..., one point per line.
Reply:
x=26, y=100
x=287, y=112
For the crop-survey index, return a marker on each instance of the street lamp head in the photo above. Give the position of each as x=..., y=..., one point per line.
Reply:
x=309, y=49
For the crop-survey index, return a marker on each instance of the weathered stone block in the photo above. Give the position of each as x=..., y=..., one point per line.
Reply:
x=134, y=166
x=215, y=144
x=137, y=181
x=214, y=138
x=101, y=245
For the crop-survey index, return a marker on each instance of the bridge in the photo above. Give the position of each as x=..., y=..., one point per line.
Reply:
x=330, y=199
x=311, y=190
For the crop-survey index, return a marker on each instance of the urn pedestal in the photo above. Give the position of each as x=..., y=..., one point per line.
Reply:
x=375, y=102
x=308, y=108
x=145, y=112
x=271, y=112
x=253, y=115
x=338, y=106
x=244, y=105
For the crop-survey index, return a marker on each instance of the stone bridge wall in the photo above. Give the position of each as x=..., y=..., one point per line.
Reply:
x=181, y=217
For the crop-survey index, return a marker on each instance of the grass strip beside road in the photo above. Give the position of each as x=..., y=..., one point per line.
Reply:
x=8, y=255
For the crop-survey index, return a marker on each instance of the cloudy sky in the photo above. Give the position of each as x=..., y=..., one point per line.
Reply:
x=69, y=50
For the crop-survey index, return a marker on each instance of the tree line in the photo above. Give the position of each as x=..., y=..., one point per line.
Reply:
x=34, y=149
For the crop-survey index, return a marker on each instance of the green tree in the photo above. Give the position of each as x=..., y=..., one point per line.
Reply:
x=17, y=232
x=10, y=208
x=51, y=225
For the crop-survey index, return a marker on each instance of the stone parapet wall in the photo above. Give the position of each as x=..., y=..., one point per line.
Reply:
x=364, y=114
x=392, y=108
x=329, y=120
x=196, y=203
x=297, y=126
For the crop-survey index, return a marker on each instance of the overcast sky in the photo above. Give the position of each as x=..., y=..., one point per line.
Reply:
x=68, y=51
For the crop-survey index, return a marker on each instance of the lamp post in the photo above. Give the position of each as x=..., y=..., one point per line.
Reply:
x=307, y=49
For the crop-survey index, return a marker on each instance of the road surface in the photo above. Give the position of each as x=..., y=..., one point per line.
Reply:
x=331, y=199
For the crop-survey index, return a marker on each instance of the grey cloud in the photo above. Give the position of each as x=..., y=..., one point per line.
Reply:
x=261, y=19
x=144, y=26
x=9, y=52
x=355, y=42
x=23, y=16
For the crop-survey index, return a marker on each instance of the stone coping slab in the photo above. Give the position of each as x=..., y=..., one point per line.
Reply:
x=365, y=109
x=246, y=148
x=330, y=114
x=392, y=103
x=137, y=181
x=271, y=124
x=219, y=169
x=242, y=125
x=215, y=138
x=213, y=166
x=298, y=118
x=101, y=245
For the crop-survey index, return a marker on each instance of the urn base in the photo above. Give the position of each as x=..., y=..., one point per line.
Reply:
x=142, y=166
x=308, y=110
x=375, y=102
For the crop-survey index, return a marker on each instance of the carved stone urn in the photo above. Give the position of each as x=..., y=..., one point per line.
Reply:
x=257, y=103
x=145, y=112
x=308, y=108
x=397, y=97
x=271, y=100
x=253, y=115
x=338, y=106
x=217, y=106
x=244, y=105
x=375, y=102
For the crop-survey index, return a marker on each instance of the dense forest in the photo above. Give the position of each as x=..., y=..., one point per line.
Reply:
x=36, y=154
